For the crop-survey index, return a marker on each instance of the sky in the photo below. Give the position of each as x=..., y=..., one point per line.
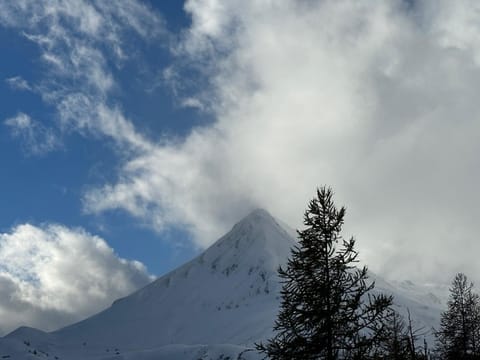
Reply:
x=135, y=133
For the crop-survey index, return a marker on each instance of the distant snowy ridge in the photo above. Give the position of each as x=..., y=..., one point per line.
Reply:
x=217, y=305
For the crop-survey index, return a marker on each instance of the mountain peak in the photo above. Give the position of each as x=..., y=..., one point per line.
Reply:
x=220, y=288
x=257, y=218
x=258, y=213
x=256, y=234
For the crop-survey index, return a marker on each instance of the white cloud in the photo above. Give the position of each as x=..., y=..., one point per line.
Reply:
x=191, y=102
x=78, y=42
x=36, y=138
x=18, y=83
x=52, y=275
x=377, y=99
x=82, y=113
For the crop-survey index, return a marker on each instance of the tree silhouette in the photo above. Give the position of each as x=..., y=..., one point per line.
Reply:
x=327, y=308
x=458, y=337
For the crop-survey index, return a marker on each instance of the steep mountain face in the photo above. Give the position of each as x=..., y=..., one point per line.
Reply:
x=217, y=305
x=226, y=295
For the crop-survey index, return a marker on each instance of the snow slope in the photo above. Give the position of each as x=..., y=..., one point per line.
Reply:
x=214, y=307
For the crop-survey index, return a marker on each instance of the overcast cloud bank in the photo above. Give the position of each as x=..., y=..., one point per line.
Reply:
x=378, y=100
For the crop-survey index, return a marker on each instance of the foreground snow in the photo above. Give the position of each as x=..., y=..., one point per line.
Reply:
x=43, y=345
x=215, y=307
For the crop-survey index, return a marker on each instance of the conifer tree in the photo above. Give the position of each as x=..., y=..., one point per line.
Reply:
x=399, y=338
x=327, y=310
x=458, y=337
x=395, y=342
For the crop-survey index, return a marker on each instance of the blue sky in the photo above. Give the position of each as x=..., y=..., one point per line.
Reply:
x=48, y=187
x=134, y=134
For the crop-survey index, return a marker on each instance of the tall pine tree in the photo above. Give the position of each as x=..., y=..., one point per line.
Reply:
x=458, y=337
x=327, y=310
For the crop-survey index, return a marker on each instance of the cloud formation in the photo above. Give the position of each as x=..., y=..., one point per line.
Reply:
x=18, y=83
x=377, y=99
x=51, y=276
x=36, y=138
x=81, y=44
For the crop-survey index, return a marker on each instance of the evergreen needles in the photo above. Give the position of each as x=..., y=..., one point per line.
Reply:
x=327, y=308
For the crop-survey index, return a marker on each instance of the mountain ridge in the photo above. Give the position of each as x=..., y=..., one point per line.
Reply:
x=219, y=303
x=219, y=287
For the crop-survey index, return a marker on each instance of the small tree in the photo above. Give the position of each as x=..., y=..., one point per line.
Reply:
x=399, y=339
x=327, y=310
x=395, y=342
x=458, y=337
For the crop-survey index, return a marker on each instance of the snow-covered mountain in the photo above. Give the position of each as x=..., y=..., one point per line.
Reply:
x=214, y=307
